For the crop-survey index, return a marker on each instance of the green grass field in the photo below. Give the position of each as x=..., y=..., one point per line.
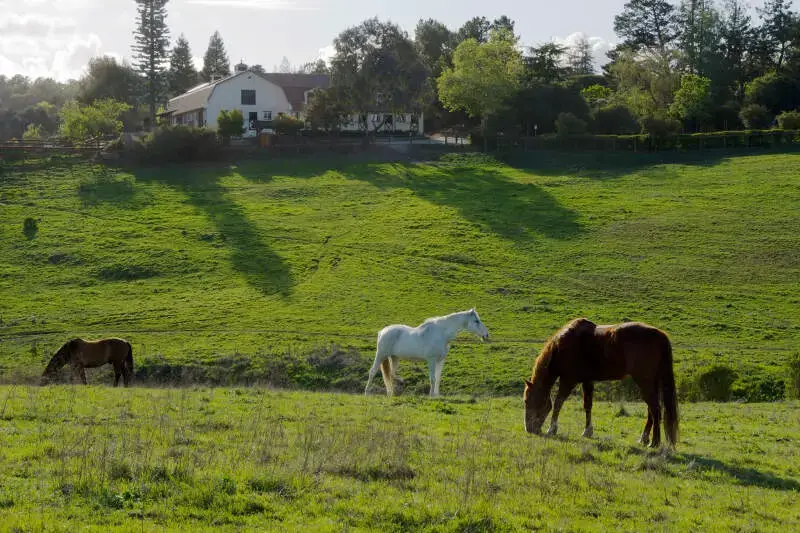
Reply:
x=283, y=271
x=100, y=459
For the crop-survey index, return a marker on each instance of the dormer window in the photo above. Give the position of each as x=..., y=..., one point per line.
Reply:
x=248, y=97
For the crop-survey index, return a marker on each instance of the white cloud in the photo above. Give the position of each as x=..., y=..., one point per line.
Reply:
x=273, y=5
x=326, y=53
x=599, y=46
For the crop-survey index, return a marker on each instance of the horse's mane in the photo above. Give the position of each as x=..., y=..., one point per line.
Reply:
x=435, y=319
x=568, y=332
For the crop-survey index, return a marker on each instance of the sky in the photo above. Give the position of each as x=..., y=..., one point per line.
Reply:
x=56, y=38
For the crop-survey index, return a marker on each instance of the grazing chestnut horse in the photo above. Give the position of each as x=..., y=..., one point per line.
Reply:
x=81, y=354
x=583, y=352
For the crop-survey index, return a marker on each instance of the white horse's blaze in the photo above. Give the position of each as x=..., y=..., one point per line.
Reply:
x=430, y=341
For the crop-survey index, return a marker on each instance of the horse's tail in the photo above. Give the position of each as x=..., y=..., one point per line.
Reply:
x=387, y=373
x=669, y=395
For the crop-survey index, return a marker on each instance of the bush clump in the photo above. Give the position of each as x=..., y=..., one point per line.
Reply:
x=713, y=384
x=793, y=382
x=789, y=120
x=569, y=124
x=755, y=117
x=614, y=119
x=171, y=144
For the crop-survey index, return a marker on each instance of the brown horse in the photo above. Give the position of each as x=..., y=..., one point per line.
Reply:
x=583, y=352
x=81, y=354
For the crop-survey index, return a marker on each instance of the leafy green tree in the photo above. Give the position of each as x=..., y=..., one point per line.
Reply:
x=313, y=67
x=646, y=85
x=258, y=69
x=647, y=24
x=82, y=122
x=107, y=78
x=44, y=115
x=693, y=99
x=484, y=76
x=325, y=109
x=435, y=43
x=182, y=74
x=378, y=68
x=151, y=40
x=230, y=123
x=476, y=28
x=215, y=60
x=776, y=92
x=596, y=94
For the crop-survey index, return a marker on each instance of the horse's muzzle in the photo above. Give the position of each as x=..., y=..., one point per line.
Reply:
x=485, y=338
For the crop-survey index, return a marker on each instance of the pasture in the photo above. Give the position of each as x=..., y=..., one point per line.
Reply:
x=283, y=271
x=103, y=459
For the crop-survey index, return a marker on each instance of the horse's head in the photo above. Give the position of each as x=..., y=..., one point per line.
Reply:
x=537, y=405
x=60, y=359
x=475, y=325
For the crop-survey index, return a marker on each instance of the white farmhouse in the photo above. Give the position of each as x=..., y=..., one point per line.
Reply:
x=262, y=98
x=256, y=97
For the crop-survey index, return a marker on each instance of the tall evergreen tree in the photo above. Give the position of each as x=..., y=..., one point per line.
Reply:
x=736, y=34
x=579, y=57
x=216, y=62
x=778, y=25
x=648, y=24
x=151, y=39
x=182, y=74
x=699, y=40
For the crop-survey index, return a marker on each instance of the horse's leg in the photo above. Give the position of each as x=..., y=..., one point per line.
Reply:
x=564, y=388
x=653, y=416
x=118, y=369
x=432, y=376
x=81, y=374
x=395, y=365
x=439, y=366
x=588, y=392
x=388, y=377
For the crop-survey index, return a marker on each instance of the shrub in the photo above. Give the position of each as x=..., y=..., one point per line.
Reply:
x=32, y=133
x=29, y=228
x=230, y=123
x=614, y=119
x=714, y=383
x=793, y=382
x=789, y=120
x=178, y=144
x=81, y=122
x=596, y=94
x=759, y=388
x=569, y=124
x=660, y=127
x=287, y=125
x=755, y=117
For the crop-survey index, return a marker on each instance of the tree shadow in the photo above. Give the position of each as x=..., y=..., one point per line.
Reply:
x=481, y=194
x=743, y=475
x=105, y=187
x=263, y=269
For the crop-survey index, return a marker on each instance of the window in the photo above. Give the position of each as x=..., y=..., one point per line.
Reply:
x=248, y=97
x=267, y=115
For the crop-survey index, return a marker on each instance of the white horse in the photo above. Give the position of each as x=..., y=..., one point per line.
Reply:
x=430, y=342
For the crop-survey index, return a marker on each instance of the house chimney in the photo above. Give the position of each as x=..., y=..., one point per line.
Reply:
x=241, y=67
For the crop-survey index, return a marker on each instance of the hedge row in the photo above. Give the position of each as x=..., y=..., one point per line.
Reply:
x=652, y=143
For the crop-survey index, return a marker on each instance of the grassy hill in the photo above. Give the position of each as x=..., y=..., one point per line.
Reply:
x=283, y=271
x=99, y=459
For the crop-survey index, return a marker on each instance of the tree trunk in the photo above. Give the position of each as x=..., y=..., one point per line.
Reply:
x=484, y=132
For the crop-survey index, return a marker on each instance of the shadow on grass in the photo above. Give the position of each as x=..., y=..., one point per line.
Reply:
x=263, y=269
x=744, y=476
x=482, y=195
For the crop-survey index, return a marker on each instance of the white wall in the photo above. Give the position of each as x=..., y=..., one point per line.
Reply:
x=228, y=95
x=401, y=123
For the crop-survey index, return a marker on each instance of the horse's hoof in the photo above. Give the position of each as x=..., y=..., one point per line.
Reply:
x=552, y=431
x=588, y=432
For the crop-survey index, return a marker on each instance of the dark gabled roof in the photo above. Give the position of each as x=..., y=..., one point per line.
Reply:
x=296, y=85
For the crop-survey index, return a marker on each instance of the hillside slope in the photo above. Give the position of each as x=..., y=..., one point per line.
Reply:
x=284, y=271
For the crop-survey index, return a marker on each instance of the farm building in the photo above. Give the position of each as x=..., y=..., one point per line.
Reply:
x=261, y=98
